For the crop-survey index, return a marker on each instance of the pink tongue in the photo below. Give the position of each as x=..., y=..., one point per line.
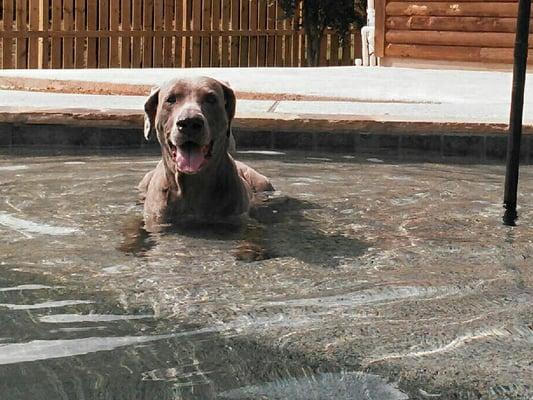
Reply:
x=190, y=159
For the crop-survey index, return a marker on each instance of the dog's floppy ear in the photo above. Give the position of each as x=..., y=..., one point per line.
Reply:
x=150, y=110
x=229, y=99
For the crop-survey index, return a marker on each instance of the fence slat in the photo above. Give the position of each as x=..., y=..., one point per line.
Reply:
x=136, y=53
x=287, y=44
x=103, y=25
x=226, y=16
x=158, y=26
x=44, y=43
x=33, y=43
x=168, y=14
x=215, y=38
x=148, y=24
x=92, y=25
x=323, y=57
x=180, y=10
x=303, y=42
x=346, y=52
x=244, y=25
x=296, y=39
x=334, y=54
x=68, y=25
x=21, y=56
x=56, y=41
x=206, y=26
x=114, y=21
x=79, y=42
x=187, y=45
x=7, y=42
x=196, y=26
x=295, y=49
x=254, y=15
x=235, y=11
x=262, y=42
x=279, y=39
x=2, y=47
x=8, y=27
x=271, y=40
x=125, y=44
x=303, y=49
x=356, y=46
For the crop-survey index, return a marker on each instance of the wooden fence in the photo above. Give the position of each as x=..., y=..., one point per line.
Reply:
x=158, y=33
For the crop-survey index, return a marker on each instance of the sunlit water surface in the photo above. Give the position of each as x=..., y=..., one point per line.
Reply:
x=357, y=279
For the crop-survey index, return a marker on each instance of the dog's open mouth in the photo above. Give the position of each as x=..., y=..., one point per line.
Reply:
x=190, y=157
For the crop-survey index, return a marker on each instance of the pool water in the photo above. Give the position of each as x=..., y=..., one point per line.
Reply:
x=358, y=277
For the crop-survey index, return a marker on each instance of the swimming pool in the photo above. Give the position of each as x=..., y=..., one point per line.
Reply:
x=359, y=272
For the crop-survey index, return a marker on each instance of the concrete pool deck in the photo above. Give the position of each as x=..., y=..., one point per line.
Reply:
x=445, y=97
x=457, y=113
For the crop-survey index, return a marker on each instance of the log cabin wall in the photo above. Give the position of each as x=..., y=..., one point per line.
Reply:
x=458, y=33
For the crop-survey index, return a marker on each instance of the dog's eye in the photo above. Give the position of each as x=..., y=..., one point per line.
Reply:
x=210, y=98
x=171, y=99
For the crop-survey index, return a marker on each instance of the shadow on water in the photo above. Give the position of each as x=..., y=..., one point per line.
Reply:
x=278, y=227
x=61, y=347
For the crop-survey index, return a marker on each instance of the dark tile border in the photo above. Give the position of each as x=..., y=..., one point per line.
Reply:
x=295, y=140
x=462, y=146
x=260, y=139
x=6, y=134
x=46, y=135
x=431, y=146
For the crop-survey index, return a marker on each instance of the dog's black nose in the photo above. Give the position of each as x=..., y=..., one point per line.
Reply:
x=190, y=125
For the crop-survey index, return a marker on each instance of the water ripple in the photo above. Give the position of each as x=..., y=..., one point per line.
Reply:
x=15, y=223
x=47, y=304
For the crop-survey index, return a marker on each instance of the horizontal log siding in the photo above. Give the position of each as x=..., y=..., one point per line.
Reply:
x=463, y=31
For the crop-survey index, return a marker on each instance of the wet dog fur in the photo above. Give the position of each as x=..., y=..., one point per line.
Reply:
x=196, y=177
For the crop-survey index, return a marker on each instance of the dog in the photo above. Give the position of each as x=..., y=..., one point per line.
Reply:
x=196, y=177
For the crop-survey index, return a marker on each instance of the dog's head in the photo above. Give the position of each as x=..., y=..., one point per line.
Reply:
x=191, y=118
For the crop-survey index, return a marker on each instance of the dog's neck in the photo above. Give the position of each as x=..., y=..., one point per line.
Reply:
x=210, y=178
x=216, y=190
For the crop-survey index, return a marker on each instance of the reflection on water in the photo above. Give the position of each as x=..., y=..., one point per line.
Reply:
x=19, y=224
x=130, y=358
x=25, y=287
x=269, y=232
x=62, y=340
x=75, y=318
x=340, y=386
x=47, y=304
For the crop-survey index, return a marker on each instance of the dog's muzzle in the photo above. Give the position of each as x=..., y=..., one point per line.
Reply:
x=189, y=142
x=190, y=157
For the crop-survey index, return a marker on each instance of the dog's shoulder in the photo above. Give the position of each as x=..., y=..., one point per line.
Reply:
x=255, y=181
x=152, y=181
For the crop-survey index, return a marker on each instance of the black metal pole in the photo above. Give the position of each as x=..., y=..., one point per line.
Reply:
x=517, y=107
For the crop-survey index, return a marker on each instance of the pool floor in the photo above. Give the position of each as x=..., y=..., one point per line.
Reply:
x=358, y=277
